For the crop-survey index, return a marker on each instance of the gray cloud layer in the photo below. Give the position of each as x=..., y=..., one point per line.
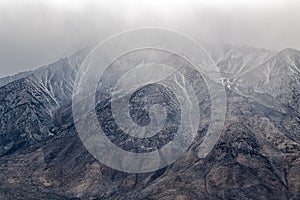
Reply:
x=33, y=33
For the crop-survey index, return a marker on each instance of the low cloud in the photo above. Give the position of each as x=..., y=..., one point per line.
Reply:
x=33, y=33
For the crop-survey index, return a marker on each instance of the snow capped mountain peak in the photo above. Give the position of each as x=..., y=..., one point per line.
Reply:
x=241, y=60
x=218, y=51
x=290, y=57
x=77, y=58
x=289, y=52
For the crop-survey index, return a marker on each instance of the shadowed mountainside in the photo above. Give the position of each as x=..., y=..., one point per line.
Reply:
x=257, y=156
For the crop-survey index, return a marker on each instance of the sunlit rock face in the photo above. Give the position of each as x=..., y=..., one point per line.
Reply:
x=256, y=157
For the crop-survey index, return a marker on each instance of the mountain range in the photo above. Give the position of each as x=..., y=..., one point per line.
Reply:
x=256, y=157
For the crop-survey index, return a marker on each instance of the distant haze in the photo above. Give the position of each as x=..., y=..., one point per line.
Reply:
x=33, y=33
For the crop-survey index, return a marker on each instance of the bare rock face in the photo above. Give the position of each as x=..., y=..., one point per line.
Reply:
x=30, y=101
x=26, y=110
x=256, y=157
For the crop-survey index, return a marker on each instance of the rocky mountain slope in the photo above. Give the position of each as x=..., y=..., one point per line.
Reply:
x=257, y=156
x=278, y=76
x=29, y=103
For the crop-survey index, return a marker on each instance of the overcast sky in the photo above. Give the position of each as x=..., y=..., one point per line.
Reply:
x=34, y=33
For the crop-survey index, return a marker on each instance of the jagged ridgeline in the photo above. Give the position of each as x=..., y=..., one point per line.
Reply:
x=258, y=154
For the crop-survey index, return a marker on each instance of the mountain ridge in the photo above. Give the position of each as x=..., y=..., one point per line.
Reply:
x=257, y=155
